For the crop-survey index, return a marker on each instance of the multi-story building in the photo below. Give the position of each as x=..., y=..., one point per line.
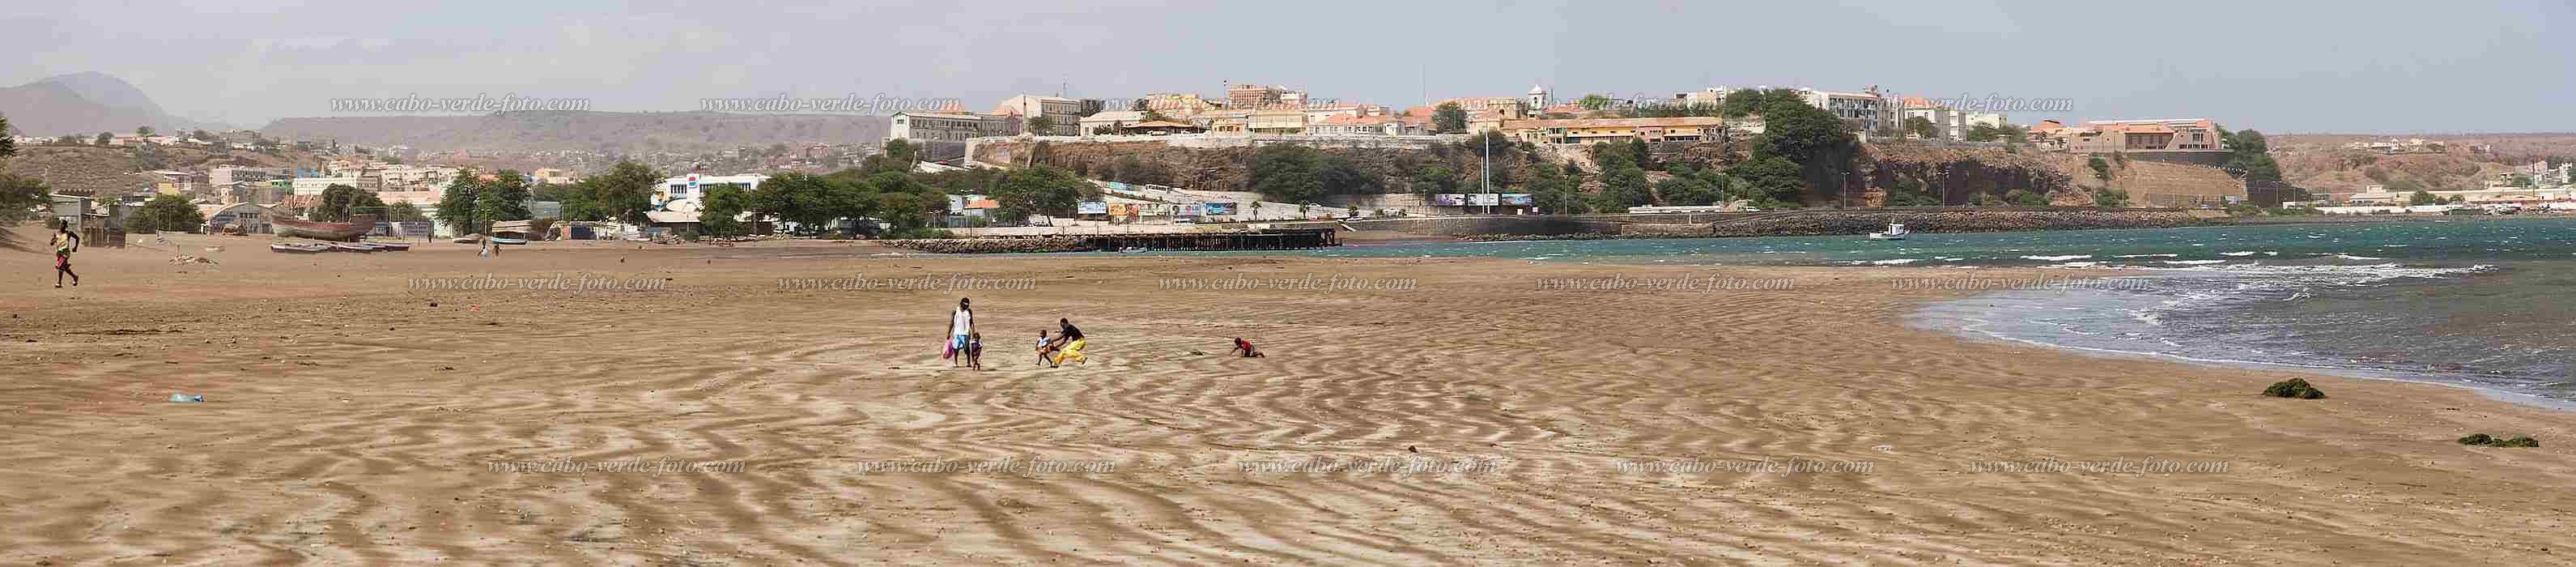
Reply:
x=1249, y=96
x=1231, y=121
x=1092, y=125
x=226, y=176
x=949, y=126
x=1063, y=115
x=1280, y=119
x=1588, y=130
x=2180, y=135
x=1987, y=119
x=1865, y=112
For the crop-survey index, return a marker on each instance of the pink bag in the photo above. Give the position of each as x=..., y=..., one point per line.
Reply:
x=947, y=350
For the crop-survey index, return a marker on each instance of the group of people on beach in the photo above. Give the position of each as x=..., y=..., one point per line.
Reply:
x=965, y=345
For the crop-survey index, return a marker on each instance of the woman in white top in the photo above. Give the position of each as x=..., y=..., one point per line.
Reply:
x=960, y=326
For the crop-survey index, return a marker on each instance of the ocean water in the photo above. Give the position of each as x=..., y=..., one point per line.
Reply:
x=2487, y=303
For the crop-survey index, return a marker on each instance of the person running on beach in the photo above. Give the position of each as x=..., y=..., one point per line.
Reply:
x=1245, y=347
x=65, y=243
x=961, y=325
x=1071, y=340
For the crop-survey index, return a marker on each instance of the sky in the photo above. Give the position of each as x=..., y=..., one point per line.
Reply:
x=2276, y=66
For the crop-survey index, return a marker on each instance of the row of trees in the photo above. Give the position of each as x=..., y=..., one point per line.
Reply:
x=884, y=187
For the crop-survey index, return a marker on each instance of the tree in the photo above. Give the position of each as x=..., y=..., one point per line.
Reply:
x=1151, y=115
x=340, y=201
x=456, y=205
x=168, y=213
x=899, y=155
x=1775, y=179
x=2108, y=197
x=1038, y=190
x=2423, y=198
x=1594, y=102
x=1434, y=180
x=1921, y=127
x=2101, y=169
x=1449, y=117
x=20, y=194
x=1555, y=192
x=1140, y=106
x=8, y=143
x=1042, y=125
x=1287, y=173
x=624, y=194
x=721, y=205
x=504, y=198
x=143, y=131
x=1984, y=133
x=2250, y=154
x=202, y=135
x=1342, y=177
x=104, y=137
x=1643, y=154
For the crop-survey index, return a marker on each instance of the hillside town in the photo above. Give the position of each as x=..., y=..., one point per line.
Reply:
x=412, y=182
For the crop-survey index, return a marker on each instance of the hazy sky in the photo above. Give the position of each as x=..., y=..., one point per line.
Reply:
x=2462, y=65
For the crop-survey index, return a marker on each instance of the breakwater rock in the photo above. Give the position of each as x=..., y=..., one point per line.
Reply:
x=993, y=245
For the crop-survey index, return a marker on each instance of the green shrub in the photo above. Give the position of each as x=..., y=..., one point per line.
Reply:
x=2294, y=388
x=2485, y=440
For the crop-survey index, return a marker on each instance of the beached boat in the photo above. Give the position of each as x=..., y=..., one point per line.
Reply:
x=1894, y=232
x=348, y=247
x=318, y=230
x=508, y=240
x=299, y=248
x=390, y=246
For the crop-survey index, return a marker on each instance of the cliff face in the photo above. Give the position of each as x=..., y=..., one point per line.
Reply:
x=1946, y=174
x=1955, y=176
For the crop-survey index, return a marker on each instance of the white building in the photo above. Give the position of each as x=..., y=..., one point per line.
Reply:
x=1063, y=114
x=315, y=185
x=951, y=126
x=1866, y=112
x=685, y=193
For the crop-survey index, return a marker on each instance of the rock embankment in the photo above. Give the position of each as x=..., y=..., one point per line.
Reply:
x=991, y=245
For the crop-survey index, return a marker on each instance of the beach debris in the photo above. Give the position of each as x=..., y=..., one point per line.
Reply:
x=2294, y=388
x=2485, y=440
x=191, y=259
x=1410, y=449
x=433, y=303
x=178, y=397
x=1885, y=447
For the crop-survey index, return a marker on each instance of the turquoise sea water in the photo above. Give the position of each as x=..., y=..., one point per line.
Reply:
x=2489, y=303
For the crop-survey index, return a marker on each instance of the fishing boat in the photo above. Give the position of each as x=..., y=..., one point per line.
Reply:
x=299, y=248
x=508, y=240
x=318, y=230
x=349, y=247
x=391, y=246
x=1894, y=232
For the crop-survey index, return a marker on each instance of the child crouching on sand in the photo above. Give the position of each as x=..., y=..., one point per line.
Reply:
x=1245, y=347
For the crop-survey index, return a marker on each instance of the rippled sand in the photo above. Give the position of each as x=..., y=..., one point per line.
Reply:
x=1472, y=419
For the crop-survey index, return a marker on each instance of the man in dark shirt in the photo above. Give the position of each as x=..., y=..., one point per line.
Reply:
x=1071, y=339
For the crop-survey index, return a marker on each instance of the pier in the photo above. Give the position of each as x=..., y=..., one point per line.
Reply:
x=1267, y=239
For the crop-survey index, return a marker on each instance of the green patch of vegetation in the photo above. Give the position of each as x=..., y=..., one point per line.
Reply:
x=2485, y=440
x=2294, y=388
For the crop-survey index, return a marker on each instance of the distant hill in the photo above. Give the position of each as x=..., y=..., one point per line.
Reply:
x=613, y=132
x=2320, y=163
x=93, y=170
x=86, y=104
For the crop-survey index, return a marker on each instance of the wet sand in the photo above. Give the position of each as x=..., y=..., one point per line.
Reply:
x=1475, y=417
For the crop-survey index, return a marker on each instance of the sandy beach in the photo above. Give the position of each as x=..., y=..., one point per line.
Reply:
x=689, y=408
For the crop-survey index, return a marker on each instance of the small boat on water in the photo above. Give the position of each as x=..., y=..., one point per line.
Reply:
x=1894, y=232
x=299, y=248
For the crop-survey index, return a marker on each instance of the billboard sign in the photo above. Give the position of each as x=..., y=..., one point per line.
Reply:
x=1092, y=208
x=1484, y=199
x=1518, y=199
x=1448, y=200
x=1220, y=208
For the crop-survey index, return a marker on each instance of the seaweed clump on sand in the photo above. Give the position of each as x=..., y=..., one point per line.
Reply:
x=2485, y=440
x=2294, y=388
